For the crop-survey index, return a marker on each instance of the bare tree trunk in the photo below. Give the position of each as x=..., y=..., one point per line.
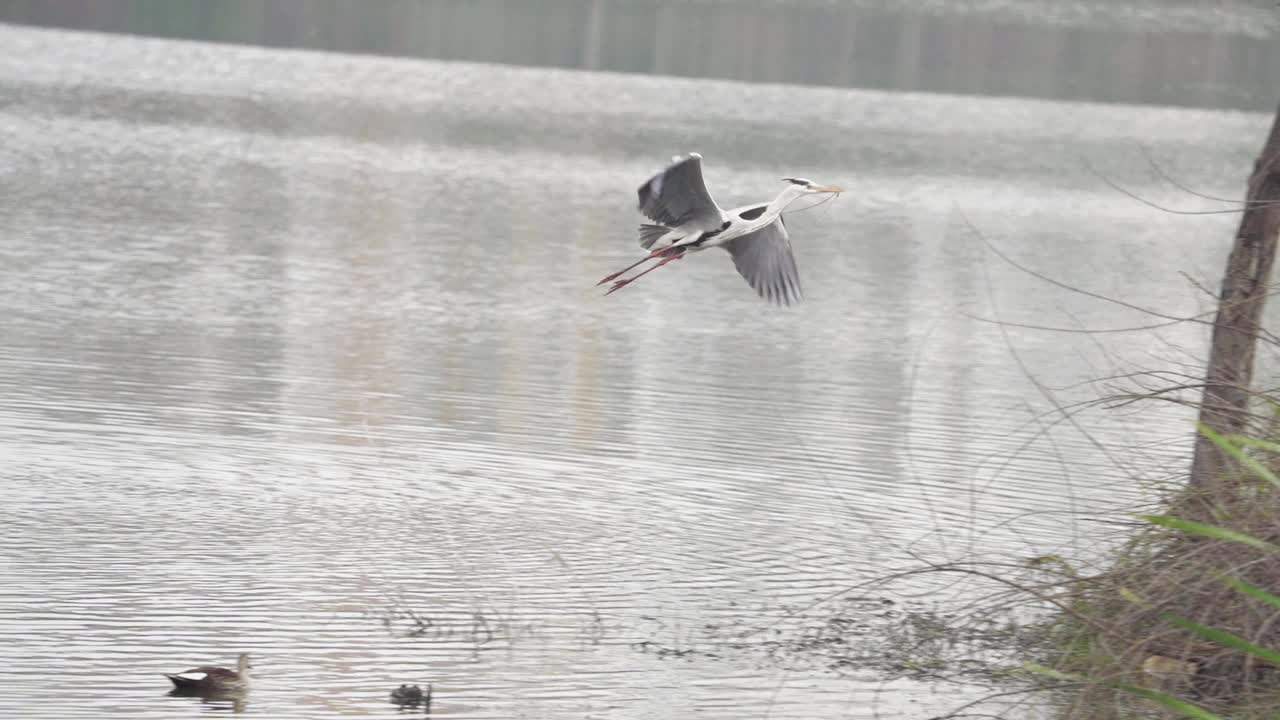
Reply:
x=1225, y=405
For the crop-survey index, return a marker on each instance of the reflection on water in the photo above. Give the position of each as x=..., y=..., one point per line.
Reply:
x=1146, y=51
x=235, y=703
x=303, y=358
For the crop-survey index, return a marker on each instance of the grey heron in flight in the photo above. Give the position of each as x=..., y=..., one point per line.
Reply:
x=686, y=220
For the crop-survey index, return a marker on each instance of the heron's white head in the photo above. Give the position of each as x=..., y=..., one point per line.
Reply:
x=808, y=186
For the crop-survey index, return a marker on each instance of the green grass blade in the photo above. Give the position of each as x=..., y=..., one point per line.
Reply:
x=1211, y=531
x=1251, y=590
x=1179, y=706
x=1230, y=448
x=1132, y=597
x=1226, y=639
x=1246, y=441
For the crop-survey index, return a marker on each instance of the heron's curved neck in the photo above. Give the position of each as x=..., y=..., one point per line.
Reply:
x=780, y=203
x=768, y=216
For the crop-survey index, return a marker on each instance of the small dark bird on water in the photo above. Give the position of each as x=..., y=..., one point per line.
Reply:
x=411, y=696
x=214, y=679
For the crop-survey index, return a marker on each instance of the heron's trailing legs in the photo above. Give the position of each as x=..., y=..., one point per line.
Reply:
x=656, y=253
x=623, y=283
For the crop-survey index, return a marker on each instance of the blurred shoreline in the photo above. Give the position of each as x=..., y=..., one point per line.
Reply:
x=1149, y=52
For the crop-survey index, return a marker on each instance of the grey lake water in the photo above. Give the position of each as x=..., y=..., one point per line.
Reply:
x=302, y=355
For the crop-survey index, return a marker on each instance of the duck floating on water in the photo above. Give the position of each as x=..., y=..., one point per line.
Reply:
x=214, y=679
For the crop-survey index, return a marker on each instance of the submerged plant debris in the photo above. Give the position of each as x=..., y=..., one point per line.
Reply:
x=872, y=635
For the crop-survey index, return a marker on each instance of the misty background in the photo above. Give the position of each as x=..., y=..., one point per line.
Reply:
x=1215, y=53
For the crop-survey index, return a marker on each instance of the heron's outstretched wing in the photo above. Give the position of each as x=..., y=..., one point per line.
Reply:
x=764, y=258
x=677, y=196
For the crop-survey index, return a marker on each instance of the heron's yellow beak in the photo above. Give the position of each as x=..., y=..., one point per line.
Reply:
x=826, y=188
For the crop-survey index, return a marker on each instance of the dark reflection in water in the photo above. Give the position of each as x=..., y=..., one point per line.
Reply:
x=235, y=703
x=1145, y=51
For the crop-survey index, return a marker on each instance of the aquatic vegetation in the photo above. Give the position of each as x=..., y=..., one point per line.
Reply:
x=1183, y=619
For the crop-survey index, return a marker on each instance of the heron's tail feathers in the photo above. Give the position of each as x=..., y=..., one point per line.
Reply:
x=649, y=234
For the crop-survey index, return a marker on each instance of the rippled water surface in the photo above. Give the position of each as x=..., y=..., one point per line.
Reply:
x=303, y=357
